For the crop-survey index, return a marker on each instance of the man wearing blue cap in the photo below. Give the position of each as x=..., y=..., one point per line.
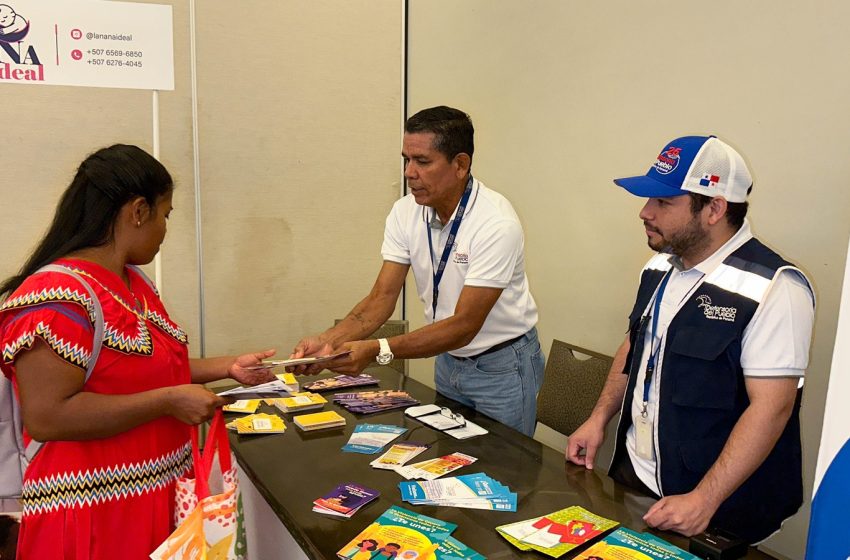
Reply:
x=710, y=375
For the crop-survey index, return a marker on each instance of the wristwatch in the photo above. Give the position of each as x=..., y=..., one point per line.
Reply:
x=385, y=356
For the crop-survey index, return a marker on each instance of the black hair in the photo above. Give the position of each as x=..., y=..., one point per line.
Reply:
x=735, y=211
x=85, y=216
x=452, y=129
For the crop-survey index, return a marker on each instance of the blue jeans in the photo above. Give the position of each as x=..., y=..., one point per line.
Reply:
x=502, y=384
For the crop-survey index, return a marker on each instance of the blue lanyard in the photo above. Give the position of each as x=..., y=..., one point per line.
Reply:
x=441, y=267
x=654, y=348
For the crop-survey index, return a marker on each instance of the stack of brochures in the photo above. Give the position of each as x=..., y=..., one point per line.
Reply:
x=319, y=420
x=476, y=491
x=445, y=420
x=245, y=406
x=289, y=362
x=626, y=544
x=340, y=382
x=371, y=438
x=399, y=454
x=258, y=424
x=400, y=533
x=289, y=380
x=345, y=500
x=271, y=390
x=557, y=533
x=367, y=402
x=298, y=401
x=435, y=468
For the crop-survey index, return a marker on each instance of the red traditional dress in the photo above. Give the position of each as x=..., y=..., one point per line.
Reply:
x=112, y=497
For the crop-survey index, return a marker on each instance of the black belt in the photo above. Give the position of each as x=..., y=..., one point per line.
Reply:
x=495, y=348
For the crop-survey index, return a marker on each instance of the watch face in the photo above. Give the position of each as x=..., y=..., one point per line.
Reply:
x=384, y=359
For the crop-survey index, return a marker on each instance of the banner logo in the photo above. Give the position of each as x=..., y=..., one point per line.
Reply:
x=18, y=62
x=13, y=27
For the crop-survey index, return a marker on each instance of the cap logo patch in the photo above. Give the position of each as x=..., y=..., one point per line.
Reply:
x=709, y=180
x=668, y=160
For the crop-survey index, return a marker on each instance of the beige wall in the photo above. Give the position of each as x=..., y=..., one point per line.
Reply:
x=566, y=96
x=53, y=128
x=298, y=116
x=299, y=125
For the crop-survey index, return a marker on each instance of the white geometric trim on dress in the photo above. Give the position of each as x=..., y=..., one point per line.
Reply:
x=167, y=326
x=140, y=344
x=82, y=489
x=68, y=351
x=51, y=294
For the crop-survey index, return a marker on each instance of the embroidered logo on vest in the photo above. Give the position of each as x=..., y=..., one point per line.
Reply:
x=716, y=312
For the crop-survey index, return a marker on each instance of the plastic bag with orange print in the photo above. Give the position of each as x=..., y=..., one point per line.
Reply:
x=209, y=524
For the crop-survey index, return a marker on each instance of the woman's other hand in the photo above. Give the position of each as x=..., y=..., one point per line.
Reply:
x=193, y=404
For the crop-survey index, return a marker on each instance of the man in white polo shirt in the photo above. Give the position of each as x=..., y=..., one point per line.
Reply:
x=709, y=377
x=465, y=245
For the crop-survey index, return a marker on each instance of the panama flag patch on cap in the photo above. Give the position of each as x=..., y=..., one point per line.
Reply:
x=709, y=180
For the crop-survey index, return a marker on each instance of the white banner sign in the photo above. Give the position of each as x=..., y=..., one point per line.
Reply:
x=86, y=43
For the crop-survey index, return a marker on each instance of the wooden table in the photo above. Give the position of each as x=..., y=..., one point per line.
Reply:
x=290, y=470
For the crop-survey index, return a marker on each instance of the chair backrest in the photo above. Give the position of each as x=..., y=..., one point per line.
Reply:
x=571, y=386
x=393, y=327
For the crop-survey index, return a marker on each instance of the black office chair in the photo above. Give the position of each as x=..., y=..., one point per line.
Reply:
x=393, y=327
x=571, y=386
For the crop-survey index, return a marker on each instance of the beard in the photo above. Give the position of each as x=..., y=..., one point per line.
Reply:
x=691, y=239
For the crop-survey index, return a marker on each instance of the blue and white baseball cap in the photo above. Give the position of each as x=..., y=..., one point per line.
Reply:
x=699, y=164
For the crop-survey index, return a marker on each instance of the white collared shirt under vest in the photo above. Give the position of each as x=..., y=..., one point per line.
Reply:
x=775, y=343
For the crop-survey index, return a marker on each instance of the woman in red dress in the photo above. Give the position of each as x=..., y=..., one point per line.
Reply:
x=102, y=484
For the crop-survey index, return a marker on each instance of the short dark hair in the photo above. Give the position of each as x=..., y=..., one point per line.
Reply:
x=735, y=211
x=86, y=214
x=452, y=129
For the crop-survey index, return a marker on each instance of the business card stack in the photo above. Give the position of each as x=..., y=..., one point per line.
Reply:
x=244, y=406
x=290, y=381
x=298, y=402
x=319, y=420
x=258, y=424
x=345, y=500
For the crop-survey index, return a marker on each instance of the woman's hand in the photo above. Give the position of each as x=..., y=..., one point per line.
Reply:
x=193, y=404
x=237, y=370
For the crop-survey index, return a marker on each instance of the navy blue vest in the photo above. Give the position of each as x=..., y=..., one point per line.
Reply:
x=702, y=392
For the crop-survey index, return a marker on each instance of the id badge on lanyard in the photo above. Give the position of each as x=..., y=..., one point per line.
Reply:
x=643, y=425
x=447, y=249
